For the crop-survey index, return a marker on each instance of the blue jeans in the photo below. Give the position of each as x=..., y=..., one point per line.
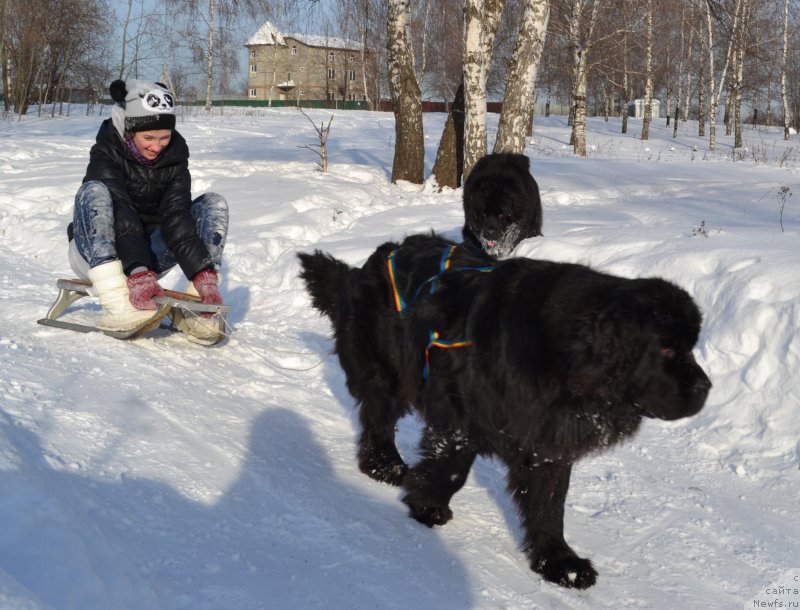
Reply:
x=93, y=227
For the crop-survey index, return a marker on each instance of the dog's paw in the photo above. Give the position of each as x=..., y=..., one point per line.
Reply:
x=385, y=471
x=571, y=571
x=428, y=514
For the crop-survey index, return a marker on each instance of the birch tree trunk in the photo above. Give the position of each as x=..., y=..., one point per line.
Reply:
x=701, y=100
x=480, y=26
x=624, y=88
x=727, y=115
x=648, y=86
x=212, y=6
x=409, y=153
x=579, y=103
x=738, y=75
x=737, y=102
x=520, y=84
x=784, y=53
x=679, y=94
x=625, y=95
x=714, y=93
x=712, y=106
x=580, y=51
x=125, y=40
x=3, y=59
x=688, y=95
x=364, y=9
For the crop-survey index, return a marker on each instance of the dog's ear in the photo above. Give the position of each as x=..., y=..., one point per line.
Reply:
x=521, y=161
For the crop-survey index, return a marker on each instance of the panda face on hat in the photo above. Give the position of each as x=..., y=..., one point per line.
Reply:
x=143, y=106
x=158, y=100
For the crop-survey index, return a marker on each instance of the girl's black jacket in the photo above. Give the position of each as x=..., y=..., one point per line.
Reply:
x=146, y=197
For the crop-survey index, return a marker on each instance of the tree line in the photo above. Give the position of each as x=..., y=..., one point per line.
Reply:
x=726, y=62
x=734, y=60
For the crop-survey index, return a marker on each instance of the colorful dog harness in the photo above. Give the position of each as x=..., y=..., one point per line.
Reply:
x=435, y=341
x=400, y=304
x=444, y=265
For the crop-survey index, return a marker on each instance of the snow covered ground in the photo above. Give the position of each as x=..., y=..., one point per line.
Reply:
x=158, y=474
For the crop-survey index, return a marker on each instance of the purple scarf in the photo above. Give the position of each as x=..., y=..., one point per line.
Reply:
x=137, y=155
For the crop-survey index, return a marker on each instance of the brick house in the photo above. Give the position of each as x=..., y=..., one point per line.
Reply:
x=303, y=67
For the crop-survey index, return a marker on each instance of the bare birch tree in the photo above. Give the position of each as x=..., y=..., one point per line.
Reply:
x=519, y=94
x=481, y=18
x=580, y=40
x=679, y=94
x=625, y=86
x=125, y=27
x=784, y=54
x=4, y=75
x=737, y=75
x=714, y=92
x=713, y=97
x=409, y=151
x=212, y=14
x=693, y=18
x=648, y=75
x=363, y=31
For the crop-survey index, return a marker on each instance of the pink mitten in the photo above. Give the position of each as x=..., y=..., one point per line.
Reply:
x=142, y=287
x=205, y=282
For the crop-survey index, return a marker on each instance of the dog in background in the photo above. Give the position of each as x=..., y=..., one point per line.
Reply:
x=535, y=362
x=501, y=204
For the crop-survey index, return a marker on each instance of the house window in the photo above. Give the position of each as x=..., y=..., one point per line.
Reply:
x=252, y=53
x=331, y=56
x=351, y=74
x=331, y=73
x=253, y=67
x=294, y=49
x=252, y=92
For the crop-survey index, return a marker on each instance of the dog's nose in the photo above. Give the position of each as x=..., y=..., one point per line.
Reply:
x=702, y=386
x=698, y=394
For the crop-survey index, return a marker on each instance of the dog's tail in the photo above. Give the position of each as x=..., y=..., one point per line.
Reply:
x=326, y=279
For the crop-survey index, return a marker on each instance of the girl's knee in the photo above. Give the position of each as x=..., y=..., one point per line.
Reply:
x=215, y=201
x=93, y=186
x=93, y=192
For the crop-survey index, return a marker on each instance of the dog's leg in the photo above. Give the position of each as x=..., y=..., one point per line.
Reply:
x=447, y=457
x=540, y=492
x=378, y=457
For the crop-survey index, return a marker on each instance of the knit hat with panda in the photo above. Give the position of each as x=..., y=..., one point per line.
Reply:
x=141, y=106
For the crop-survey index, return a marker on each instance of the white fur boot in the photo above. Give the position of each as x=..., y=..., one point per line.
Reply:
x=198, y=329
x=111, y=286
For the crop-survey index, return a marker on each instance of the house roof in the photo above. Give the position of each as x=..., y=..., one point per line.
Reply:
x=268, y=34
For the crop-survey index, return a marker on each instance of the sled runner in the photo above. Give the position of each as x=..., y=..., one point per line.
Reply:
x=171, y=305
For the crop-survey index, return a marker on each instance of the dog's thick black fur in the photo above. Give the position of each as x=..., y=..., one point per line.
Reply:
x=538, y=363
x=501, y=204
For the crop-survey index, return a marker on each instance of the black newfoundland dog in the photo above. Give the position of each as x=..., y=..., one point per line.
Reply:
x=536, y=362
x=501, y=204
